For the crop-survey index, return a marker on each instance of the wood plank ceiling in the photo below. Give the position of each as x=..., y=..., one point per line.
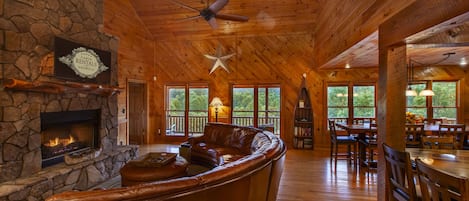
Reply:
x=166, y=20
x=424, y=52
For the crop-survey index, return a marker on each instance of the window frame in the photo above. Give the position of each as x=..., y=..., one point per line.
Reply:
x=350, y=86
x=429, y=100
x=186, y=87
x=256, y=110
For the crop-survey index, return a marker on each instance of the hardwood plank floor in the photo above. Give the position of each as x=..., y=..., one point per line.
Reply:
x=308, y=176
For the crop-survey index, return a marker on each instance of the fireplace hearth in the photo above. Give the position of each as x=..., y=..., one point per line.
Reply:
x=66, y=133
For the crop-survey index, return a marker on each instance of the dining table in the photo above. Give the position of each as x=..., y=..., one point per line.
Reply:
x=359, y=131
x=453, y=161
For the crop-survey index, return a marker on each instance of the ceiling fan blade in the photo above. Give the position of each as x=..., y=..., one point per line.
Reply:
x=232, y=17
x=217, y=5
x=213, y=23
x=189, y=18
x=184, y=5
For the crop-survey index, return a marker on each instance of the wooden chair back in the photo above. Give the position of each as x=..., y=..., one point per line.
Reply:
x=399, y=174
x=362, y=120
x=451, y=129
x=433, y=121
x=438, y=142
x=414, y=134
x=439, y=185
x=332, y=130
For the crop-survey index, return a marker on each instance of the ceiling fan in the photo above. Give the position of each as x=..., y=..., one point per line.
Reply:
x=210, y=13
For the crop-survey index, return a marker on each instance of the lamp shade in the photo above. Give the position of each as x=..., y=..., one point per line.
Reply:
x=216, y=102
x=410, y=92
x=426, y=92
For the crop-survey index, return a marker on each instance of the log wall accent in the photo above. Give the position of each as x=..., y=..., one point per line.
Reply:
x=135, y=54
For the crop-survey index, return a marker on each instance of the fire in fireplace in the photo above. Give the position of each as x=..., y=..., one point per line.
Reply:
x=68, y=132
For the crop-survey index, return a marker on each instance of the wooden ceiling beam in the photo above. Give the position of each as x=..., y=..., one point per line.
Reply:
x=415, y=23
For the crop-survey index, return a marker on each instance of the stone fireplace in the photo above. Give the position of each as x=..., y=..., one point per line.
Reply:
x=70, y=132
x=27, y=32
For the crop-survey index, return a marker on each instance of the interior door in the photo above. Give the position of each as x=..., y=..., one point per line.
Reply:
x=137, y=113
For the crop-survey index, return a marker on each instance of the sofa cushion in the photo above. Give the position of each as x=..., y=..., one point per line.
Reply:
x=217, y=133
x=242, y=138
x=214, y=155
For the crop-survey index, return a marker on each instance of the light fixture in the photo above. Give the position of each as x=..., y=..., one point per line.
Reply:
x=410, y=74
x=463, y=62
x=426, y=91
x=410, y=91
x=216, y=102
x=347, y=65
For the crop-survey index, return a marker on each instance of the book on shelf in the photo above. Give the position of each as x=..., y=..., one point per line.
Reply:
x=302, y=131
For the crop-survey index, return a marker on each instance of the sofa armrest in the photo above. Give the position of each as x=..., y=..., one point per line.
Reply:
x=194, y=140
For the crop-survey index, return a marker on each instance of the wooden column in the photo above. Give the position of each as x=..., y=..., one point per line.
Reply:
x=391, y=105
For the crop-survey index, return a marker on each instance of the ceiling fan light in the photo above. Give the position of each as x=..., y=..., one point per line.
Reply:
x=426, y=92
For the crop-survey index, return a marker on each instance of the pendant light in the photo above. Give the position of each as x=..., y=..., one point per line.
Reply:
x=427, y=91
x=410, y=91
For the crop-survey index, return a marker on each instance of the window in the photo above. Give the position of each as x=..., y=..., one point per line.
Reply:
x=186, y=109
x=256, y=106
x=417, y=104
x=443, y=105
x=344, y=107
x=364, y=101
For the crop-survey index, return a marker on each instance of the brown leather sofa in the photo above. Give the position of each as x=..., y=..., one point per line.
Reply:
x=247, y=162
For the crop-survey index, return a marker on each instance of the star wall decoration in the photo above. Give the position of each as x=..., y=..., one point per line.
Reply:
x=219, y=60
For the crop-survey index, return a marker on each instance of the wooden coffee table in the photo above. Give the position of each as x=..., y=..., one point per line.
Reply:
x=153, y=166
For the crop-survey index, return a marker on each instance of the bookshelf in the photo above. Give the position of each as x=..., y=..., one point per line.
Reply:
x=303, y=126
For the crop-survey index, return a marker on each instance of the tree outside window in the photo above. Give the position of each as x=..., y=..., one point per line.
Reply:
x=186, y=109
x=256, y=105
x=348, y=101
x=443, y=105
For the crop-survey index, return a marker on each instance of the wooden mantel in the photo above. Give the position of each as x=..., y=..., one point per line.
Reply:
x=58, y=87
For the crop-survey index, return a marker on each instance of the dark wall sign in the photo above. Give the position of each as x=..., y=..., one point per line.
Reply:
x=79, y=63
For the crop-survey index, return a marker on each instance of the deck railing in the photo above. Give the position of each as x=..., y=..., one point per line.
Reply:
x=175, y=124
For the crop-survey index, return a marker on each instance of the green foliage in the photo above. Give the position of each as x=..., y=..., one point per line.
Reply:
x=198, y=101
x=243, y=101
x=363, y=100
x=443, y=103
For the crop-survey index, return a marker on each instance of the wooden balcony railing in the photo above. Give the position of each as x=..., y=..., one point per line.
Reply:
x=175, y=124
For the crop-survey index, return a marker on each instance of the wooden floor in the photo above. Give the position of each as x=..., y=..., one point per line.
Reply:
x=308, y=176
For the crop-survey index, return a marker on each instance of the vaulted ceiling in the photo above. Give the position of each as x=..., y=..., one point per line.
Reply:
x=168, y=20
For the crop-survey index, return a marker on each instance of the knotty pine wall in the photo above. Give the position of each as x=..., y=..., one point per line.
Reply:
x=258, y=60
x=135, y=55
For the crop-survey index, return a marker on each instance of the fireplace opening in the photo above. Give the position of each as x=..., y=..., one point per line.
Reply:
x=68, y=132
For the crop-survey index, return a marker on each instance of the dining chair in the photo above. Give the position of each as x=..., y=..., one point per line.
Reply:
x=414, y=134
x=433, y=121
x=457, y=131
x=399, y=174
x=438, y=142
x=441, y=186
x=337, y=140
x=370, y=143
